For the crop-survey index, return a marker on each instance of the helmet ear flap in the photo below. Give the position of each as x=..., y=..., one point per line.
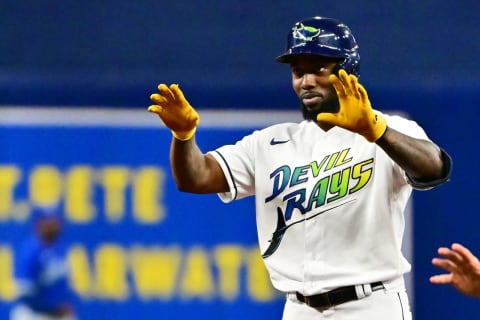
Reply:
x=350, y=65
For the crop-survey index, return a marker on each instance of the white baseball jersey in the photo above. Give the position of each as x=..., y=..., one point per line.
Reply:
x=329, y=205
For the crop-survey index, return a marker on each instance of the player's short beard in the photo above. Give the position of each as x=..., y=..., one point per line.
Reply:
x=329, y=105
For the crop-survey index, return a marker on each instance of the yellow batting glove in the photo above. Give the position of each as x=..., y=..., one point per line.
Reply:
x=356, y=113
x=175, y=111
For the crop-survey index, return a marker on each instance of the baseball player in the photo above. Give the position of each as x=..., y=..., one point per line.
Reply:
x=41, y=273
x=330, y=191
x=463, y=267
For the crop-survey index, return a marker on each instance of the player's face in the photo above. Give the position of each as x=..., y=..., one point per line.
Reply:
x=49, y=229
x=310, y=80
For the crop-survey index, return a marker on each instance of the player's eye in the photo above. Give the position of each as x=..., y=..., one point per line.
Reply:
x=317, y=70
x=321, y=69
x=298, y=72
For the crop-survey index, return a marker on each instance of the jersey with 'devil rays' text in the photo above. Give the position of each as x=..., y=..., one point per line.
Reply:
x=329, y=205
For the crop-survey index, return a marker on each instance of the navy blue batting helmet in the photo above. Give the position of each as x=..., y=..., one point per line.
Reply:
x=325, y=37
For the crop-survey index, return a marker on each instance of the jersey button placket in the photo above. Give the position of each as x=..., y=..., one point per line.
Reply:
x=310, y=255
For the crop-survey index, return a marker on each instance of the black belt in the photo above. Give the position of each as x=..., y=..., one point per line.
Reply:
x=334, y=297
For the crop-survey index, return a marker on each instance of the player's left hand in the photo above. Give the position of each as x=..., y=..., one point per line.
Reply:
x=356, y=113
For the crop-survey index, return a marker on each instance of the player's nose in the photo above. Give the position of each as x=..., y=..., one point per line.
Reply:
x=308, y=80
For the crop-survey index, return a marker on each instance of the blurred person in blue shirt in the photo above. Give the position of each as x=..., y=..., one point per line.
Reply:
x=41, y=272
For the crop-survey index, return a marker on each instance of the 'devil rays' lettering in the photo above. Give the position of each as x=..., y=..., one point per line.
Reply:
x=284, y=177
x=328, y=189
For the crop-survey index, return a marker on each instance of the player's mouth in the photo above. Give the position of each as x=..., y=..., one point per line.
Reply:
x=311, y=99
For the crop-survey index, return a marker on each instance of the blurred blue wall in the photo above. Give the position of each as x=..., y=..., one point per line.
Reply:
x=419, y=57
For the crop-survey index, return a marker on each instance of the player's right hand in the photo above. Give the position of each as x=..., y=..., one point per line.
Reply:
x=175, y=111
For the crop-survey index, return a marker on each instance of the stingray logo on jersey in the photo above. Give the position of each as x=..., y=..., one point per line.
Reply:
x=291, y=185
x=305, y=33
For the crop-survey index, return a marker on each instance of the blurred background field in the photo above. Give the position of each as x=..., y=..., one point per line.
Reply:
x=75, y=77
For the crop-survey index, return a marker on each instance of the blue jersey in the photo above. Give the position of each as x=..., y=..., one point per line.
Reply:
x=42, y=276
